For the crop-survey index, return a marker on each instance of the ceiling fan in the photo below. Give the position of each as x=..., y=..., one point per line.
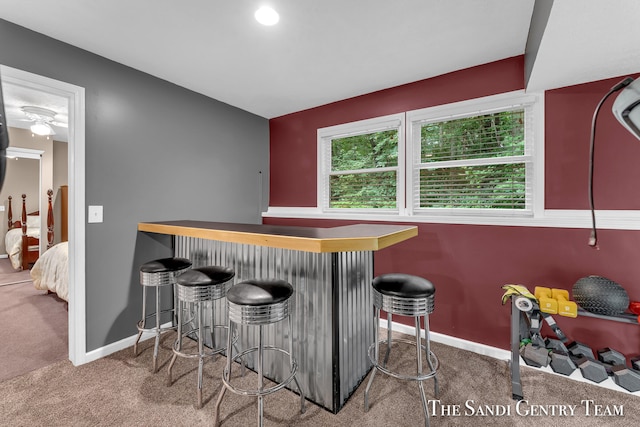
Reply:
x=43, y=119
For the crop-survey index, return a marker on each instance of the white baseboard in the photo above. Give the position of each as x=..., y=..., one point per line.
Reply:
x=496, y=353
x=486, y=350
x=119, y=345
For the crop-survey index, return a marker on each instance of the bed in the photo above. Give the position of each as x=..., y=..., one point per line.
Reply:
x=51, y=271
x=22, y=241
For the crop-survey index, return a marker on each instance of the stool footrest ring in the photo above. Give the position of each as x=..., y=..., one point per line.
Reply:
x=141, y=322
x=254, y=392
x=212, y=352
x=432, y=358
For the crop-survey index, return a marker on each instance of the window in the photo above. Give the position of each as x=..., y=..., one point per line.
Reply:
x=361, y=165
x=473, y=158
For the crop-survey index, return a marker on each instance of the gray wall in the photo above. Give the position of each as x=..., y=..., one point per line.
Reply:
x=154, y=151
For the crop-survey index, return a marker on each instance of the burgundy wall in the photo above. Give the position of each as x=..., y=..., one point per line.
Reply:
x=469, y=264
x=568, y=116
x=294, y=137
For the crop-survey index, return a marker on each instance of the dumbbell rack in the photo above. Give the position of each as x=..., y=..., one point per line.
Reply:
x=520, y=324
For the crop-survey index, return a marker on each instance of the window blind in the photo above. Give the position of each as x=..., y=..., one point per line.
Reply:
x=476, y=162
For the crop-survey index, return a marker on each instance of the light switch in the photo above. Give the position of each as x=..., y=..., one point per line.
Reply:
x=95, y=214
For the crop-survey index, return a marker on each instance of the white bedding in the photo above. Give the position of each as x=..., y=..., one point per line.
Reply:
x=51, y=271
x=13, y=244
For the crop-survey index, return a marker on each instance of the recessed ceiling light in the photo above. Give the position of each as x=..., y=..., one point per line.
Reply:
x=267, y=16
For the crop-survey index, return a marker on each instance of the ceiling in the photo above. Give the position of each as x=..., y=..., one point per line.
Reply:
x=16, y=97
x=326, y=50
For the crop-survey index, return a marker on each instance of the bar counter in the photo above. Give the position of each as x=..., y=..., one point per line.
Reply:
x=331, y=270
x=359, y=237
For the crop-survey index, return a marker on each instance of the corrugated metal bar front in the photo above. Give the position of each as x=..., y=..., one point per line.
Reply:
x=354, y=326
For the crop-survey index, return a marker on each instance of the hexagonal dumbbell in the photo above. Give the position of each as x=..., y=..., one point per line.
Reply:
x=629, y=379
x=610, y=358
x=635, y=363
x=555, y=344
x=578, y=350
x=592, y=370
x=561, y=362
x=535, y=355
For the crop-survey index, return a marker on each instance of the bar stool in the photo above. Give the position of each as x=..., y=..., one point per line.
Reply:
x=259, y=303
x=158, y=273
x=411, y=296
x=197, y=287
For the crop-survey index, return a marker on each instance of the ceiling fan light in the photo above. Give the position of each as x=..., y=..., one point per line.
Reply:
x=42, y=129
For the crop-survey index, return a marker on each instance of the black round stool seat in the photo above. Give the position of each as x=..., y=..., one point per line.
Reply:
x=205, y=276
x=403, y=286
x=163, y=272
x=258, y=292
x=403, y=294
x=165, y=265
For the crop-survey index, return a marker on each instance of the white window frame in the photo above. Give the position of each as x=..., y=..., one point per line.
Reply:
x=537, y=216
x=533, y=156
x=377, y=124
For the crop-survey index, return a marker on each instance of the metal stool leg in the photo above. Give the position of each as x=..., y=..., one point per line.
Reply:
x=201, y=327
x=419, y=372
x=260, y=379
x=376, y=326
x=213, y=321
x=386, y=355
x=144, y=321
x=174, y=288
x=428, y=352
x=156, y=347
x=226, y=374
x=177, y=345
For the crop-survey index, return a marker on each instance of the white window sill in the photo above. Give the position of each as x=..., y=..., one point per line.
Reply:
x=560, y=218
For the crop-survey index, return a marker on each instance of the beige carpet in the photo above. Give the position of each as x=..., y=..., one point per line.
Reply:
x=34, y=329
x=120, y=390
x=9, y=276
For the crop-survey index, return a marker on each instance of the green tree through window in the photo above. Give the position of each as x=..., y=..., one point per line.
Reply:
x=360, y=171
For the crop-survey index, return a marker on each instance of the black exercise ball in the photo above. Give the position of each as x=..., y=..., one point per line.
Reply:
x=600, y=295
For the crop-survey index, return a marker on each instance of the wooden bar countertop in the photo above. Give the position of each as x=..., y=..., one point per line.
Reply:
x=359, y=237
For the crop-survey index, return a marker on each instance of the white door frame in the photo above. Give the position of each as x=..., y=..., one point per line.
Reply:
x=76, y=179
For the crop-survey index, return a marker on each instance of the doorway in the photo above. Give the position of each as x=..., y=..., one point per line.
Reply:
x=75, y=96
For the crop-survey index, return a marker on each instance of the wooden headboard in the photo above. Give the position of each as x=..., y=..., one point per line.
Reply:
x=18, y=224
